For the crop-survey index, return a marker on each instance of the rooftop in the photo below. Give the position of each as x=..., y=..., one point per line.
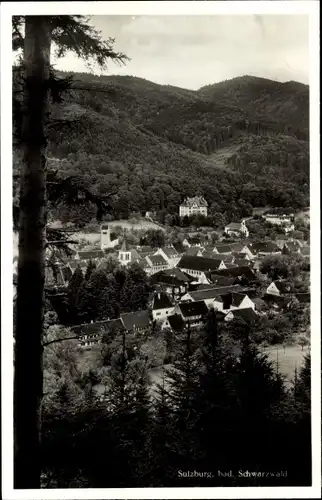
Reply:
x=198, y=263
x=161, y=301
x=136, y=320
x=247, y=315
x=189, y=309
x=196, y=200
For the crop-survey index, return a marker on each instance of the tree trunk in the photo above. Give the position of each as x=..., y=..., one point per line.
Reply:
x=28, y=379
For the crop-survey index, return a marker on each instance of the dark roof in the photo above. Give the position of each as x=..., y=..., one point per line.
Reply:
x=245, y=271
x=197, y=308
x=198, y=263
x=161, y=301
x=176, y=322
x=134, y=320
x=99, y=327
x=282, y=286
x=146, y=249
x=264, y=246
x=221, y=280
x=218, y=256
x=178, y=274
x=230, y=299
x=248, y=315
x=90, y=254
x=237, y=247
x=242, y=262
x=259, y=302
x=223, y=248
x=213, y=292
x=193, y=240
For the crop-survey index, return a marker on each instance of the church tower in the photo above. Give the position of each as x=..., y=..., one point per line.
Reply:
x=106, y=240
x=125, y=254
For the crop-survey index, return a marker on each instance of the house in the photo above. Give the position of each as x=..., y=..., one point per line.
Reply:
x=197, y=267
x=193, y=206
x=286, y=221
x=208, y=295
x=243, y=262
x=194, y=251
x=247, y=315
x=243, y=275
x=231, y=301
x=278, y=287
x=237, y=229
x=226, y=258
x=162, y=306
x=170, y=254
x=192, y=313
x=263, y=248
x=94, y=255
x=108, y=240
x=173, y=281
x=240, y=255
x=137, y=322
x=90, y=334
x=155, y=263
x=192, y=241
x=128, y=255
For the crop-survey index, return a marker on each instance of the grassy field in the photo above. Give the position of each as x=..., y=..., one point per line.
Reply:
x=287, y=360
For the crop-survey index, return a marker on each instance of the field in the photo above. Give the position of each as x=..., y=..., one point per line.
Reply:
x=287, y=360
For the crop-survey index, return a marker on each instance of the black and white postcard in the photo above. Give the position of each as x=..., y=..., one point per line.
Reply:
x=160, y=299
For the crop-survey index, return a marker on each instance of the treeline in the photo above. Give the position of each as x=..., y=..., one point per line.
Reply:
x=221, y=407
x=102, y=293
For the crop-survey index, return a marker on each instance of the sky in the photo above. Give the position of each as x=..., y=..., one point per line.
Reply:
x=192, y=51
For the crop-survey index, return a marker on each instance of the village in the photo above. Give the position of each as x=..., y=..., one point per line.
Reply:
x=189, y=281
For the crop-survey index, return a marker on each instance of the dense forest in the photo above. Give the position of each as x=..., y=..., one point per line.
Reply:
x=152, y=145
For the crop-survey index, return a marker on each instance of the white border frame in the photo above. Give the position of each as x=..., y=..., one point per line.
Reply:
x=187, y=8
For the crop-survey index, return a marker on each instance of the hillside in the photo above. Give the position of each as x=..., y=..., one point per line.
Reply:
x=155, y=144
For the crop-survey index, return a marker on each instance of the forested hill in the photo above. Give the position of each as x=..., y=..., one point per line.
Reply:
x=240, y=143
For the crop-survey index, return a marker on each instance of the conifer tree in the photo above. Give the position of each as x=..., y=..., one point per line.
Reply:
x=70, y=33
x=91, y=266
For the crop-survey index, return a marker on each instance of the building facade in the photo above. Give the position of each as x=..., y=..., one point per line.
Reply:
x=193, y=206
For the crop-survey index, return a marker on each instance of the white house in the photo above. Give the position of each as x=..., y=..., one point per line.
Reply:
x=106, y=238
x=162, y=306
x=192, y=312
x=286, y=221
x=237, y=229
x=193, y=206
x=156, y=263
x=232, y=301
x=278, y=287
x=198, y=267
x=169, y=254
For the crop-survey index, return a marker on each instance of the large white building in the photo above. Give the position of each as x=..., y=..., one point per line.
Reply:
x=286, y=221
x=193, y=206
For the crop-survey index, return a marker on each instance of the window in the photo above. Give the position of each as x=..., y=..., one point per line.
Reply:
x=158, y=314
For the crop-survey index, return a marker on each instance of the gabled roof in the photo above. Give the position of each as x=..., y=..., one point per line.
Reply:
x=212, y=292
x=244, y=271
x=161, y=301
x=248, y=315
x=157, y=260
x=237, y=247
x=137, y=319
x=189, y=309
x=223, y=248
x=221, y=280
x=90, y=254
x=198, y=200
x=97, y=327
x=178, y=274
x=176, y=322
x=198, y=263
x=146, y=249
x=218, y=256
x=170, y=252
x=234, y=225
x=242, y=262
x=237, y=299
x=264, y=246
